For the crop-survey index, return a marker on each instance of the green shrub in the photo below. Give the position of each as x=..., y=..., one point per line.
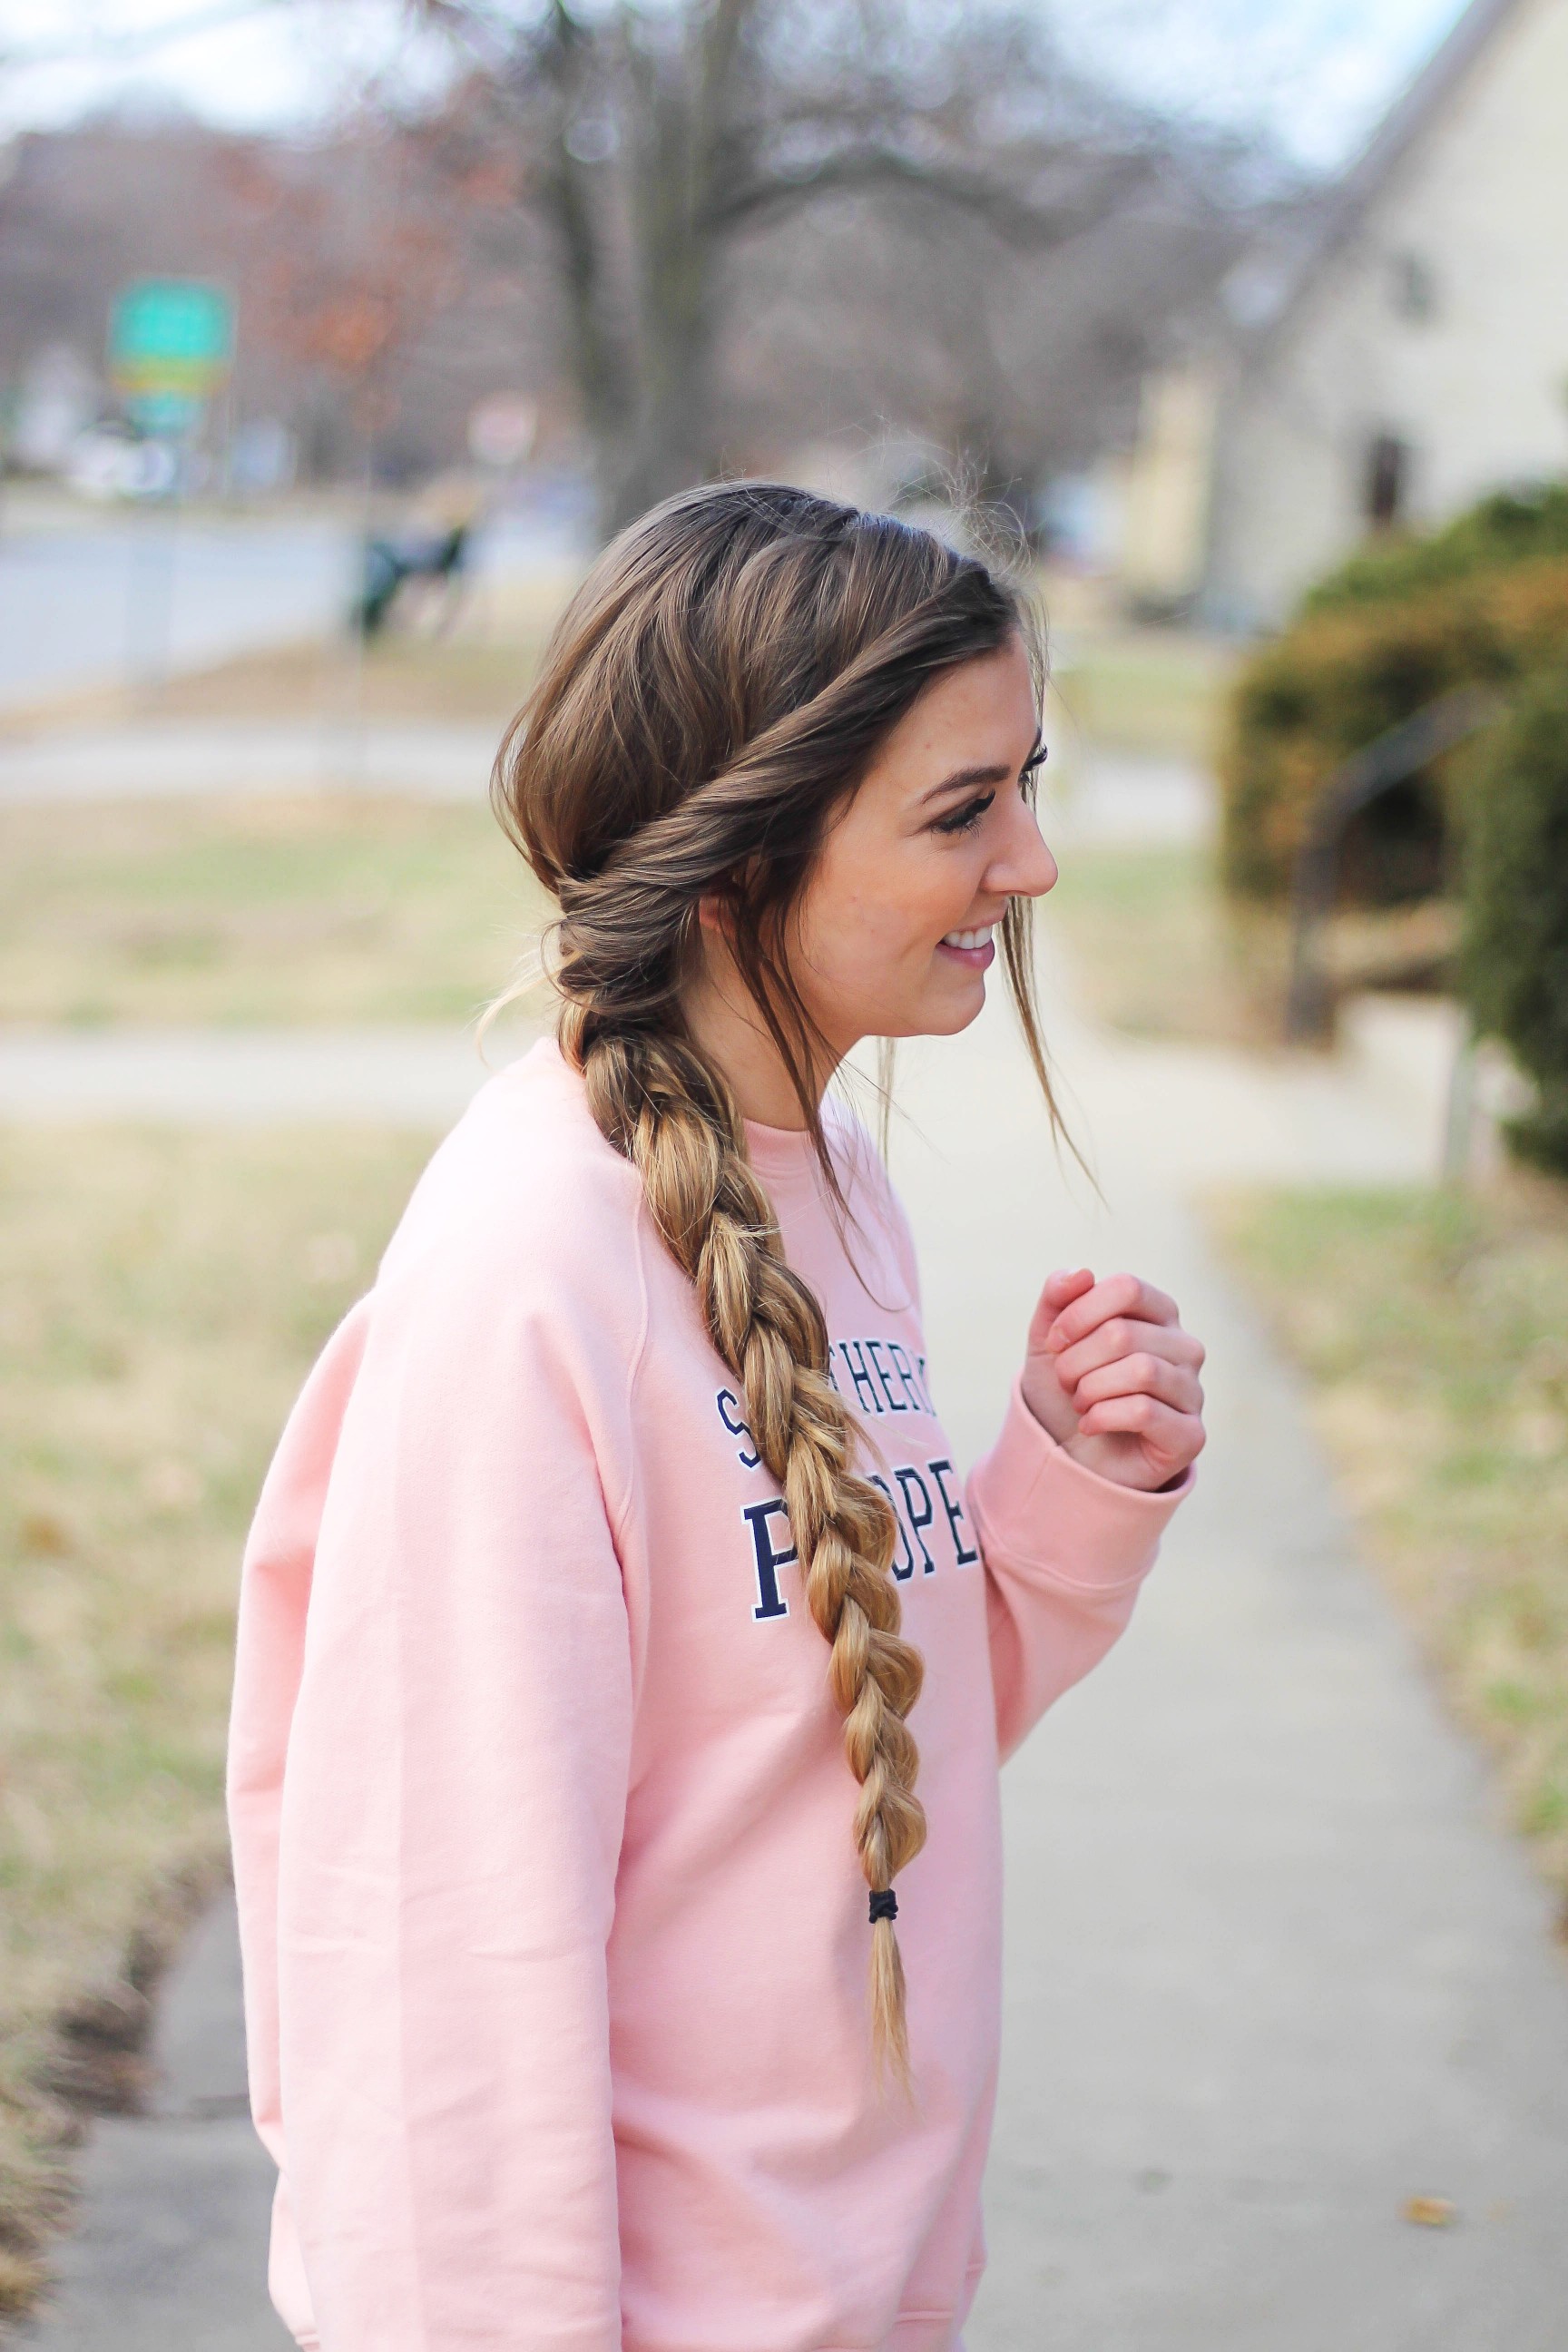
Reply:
x=1509, y=528
x=1340, y=677
x=1516, y=944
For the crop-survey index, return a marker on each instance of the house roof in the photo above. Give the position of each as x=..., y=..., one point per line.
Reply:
x=1420, y=104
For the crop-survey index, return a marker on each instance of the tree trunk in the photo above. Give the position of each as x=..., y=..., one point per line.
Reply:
x=680, y=108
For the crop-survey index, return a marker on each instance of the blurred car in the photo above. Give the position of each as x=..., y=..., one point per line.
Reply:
x=111, y=461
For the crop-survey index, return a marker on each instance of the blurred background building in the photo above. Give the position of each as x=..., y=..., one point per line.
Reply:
x=1383, y=361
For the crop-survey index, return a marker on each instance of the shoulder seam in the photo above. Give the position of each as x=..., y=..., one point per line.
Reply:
x=622, y=1512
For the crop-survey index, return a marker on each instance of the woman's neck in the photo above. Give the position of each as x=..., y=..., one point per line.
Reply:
x=726, y=1028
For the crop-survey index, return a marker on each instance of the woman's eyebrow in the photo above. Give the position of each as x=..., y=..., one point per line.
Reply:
x=964, y=779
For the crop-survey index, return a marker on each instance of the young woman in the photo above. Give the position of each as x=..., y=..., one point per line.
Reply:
x=580, y=1678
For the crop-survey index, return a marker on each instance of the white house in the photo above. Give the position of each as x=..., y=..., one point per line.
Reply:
x=1414, y=358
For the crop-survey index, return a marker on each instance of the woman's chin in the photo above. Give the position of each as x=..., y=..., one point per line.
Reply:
x=948, y=1010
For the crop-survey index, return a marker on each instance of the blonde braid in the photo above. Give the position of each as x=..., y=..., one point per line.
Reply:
x=661, y=1106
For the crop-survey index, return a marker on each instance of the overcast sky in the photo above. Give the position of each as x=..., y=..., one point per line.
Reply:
x=1317, y=72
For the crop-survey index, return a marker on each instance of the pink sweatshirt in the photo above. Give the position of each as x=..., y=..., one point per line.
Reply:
x=555, y=1938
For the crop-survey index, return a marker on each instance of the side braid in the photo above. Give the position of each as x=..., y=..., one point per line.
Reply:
x=659, y=1104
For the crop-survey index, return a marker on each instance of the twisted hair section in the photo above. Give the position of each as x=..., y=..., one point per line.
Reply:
x=712, y=696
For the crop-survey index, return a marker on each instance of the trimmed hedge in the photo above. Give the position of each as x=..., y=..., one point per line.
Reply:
x=1515, y=961
x=1339, y=677
x=1509, y=528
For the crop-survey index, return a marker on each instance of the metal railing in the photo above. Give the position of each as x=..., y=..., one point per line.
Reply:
x=1390, y=759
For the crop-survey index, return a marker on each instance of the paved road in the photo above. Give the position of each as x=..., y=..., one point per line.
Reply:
x=148, y=592
x=152, y=590
x=1274, y=1966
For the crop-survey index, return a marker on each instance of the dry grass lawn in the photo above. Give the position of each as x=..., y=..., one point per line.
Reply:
x=161, y=1294
x=1160, y=691
x=1156, y=947
x=1434, y=1330
x=257, y=910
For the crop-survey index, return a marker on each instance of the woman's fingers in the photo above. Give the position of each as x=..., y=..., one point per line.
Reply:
x=1145, y=1374
x=1122, y=1296
x=1120, y=1337
x=1165, y=1433
x=1061, y=1288
x=1123, y=1368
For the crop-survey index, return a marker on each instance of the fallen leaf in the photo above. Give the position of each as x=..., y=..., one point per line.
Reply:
x=41, y=1531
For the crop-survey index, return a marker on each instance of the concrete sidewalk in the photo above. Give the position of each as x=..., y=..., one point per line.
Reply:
x=194, y=759
x=420, y=1075
x=170, y=2252
x=1274, y=1965
x=1372, y=1114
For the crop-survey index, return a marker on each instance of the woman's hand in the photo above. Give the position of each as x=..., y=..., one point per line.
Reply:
x=1112, y=1376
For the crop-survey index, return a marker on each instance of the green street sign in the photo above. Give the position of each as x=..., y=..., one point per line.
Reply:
x=170, y=337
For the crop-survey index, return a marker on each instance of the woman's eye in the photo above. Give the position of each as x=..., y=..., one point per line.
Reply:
x=965, y=819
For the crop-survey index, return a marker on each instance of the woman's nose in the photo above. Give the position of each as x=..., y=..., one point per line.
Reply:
x=1026, y=869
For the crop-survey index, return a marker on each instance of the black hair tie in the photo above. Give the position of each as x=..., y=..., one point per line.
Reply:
x=884, y=1905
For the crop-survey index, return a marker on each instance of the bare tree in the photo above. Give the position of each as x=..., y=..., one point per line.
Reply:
x=354, y=269
x=373, y=300
x=655, y=144
x=699, y=234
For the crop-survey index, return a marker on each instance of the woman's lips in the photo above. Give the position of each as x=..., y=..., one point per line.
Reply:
x=974, y=959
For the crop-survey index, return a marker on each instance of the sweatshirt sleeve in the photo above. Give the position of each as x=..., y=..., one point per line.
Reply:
x=430, y=1957
x=1065, y=1552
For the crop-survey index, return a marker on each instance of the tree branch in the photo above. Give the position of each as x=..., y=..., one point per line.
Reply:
x=1029, y=225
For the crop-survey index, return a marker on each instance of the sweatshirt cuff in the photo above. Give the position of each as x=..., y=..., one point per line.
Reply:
x=1036, y=1507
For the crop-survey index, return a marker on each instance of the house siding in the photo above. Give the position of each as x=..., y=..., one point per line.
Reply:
x=1478, y=390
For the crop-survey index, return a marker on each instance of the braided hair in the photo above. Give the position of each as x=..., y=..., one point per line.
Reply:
x=711, y=697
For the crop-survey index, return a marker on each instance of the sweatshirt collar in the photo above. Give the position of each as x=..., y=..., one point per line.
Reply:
x=779, y=1153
